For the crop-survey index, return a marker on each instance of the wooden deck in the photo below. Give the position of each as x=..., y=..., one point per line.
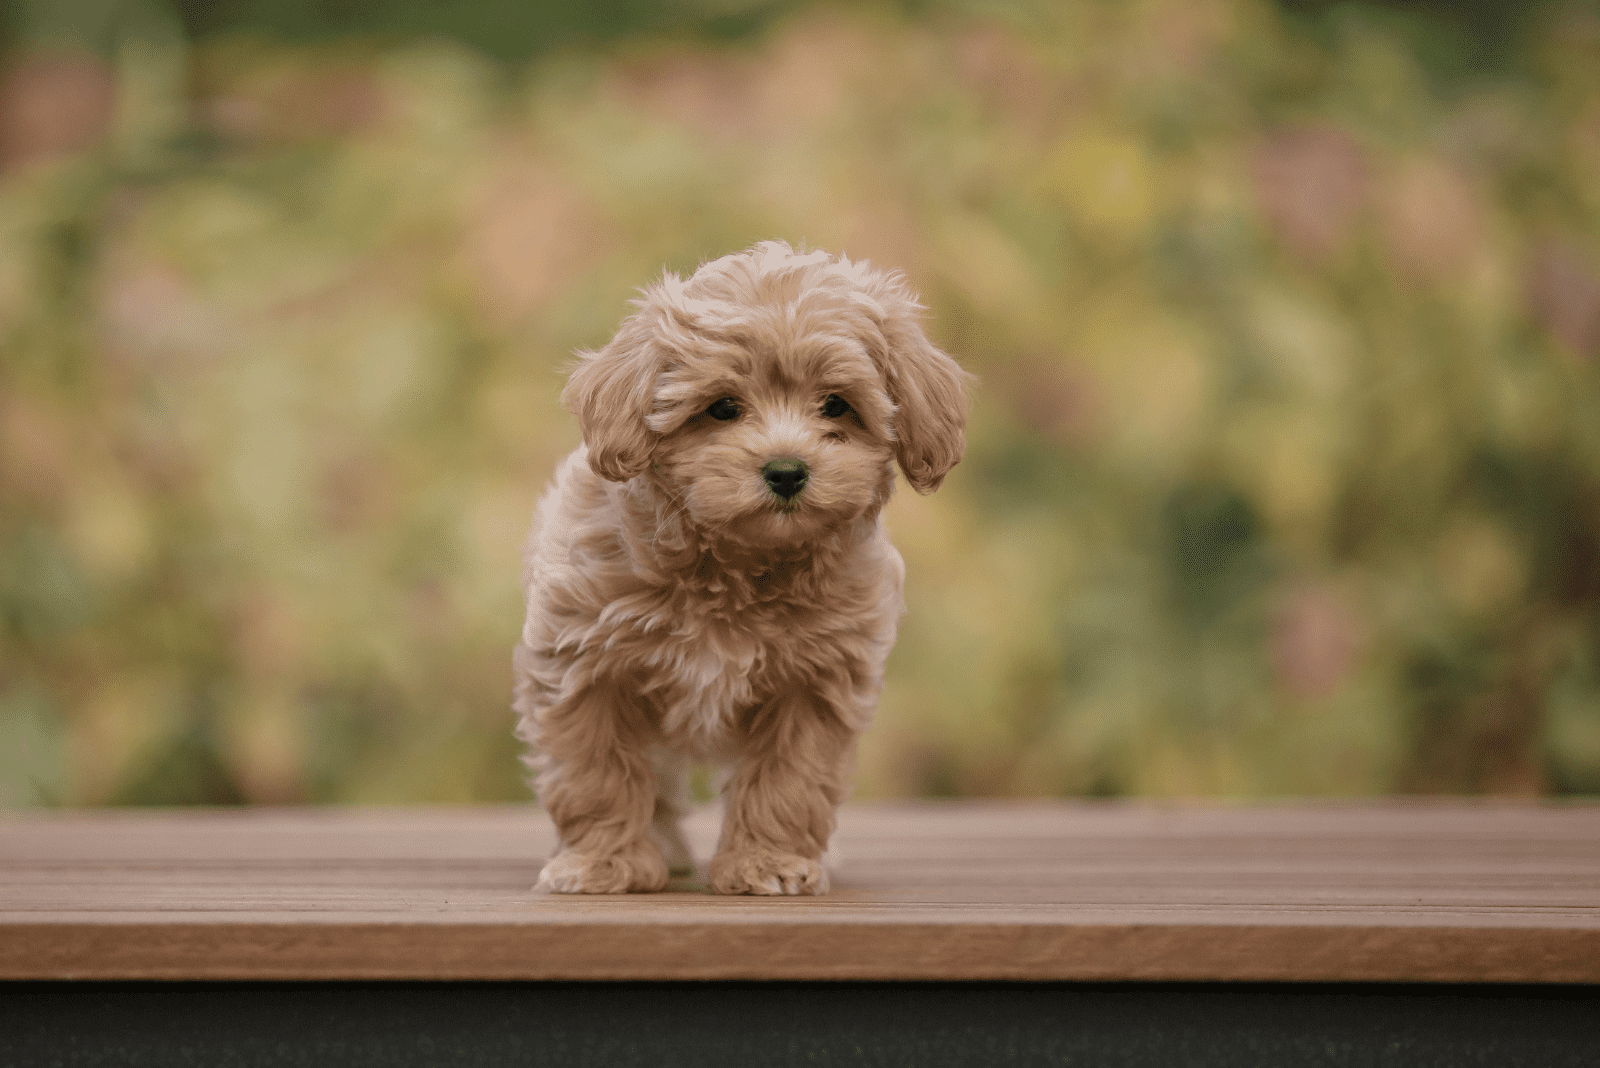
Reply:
x=1392, y=891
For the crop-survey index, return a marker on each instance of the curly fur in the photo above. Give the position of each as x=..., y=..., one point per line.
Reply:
x=679, y=610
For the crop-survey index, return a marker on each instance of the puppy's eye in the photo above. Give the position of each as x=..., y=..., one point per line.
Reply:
x=724, y=409
x=834, y=406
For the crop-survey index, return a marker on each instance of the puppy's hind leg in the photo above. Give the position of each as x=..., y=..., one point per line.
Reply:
x=672, y=804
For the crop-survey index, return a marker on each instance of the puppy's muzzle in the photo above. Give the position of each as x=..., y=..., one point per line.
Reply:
x=785, y=477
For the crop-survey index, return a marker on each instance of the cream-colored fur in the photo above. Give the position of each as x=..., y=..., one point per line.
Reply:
x=680, y=609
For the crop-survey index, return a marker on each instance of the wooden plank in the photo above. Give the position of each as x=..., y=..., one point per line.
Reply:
x=1390, y=891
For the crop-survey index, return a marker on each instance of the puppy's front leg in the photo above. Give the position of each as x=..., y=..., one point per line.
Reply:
x=781, y=799
x=599, y=787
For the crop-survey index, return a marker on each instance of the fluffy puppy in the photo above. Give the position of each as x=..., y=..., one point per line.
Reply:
x=709, y=577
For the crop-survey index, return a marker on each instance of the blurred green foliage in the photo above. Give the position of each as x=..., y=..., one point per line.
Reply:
x=1284, y=476
x=510, y=30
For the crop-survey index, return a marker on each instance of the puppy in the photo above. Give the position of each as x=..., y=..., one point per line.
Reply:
x=709, y=577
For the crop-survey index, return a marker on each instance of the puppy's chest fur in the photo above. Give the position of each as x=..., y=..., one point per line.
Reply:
x=693, y=644
x=702, y=657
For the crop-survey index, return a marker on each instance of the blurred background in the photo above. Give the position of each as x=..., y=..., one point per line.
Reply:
x=1284, y=473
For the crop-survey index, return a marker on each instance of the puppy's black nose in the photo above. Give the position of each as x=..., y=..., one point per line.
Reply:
x=785, y=477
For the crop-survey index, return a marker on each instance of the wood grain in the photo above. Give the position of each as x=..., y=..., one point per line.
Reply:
x=1398, y=891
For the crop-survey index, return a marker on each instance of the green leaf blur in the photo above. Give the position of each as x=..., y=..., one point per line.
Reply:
x=1284, y=471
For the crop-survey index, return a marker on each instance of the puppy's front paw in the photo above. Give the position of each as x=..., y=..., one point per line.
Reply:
x=766, y=871
x=639, y=869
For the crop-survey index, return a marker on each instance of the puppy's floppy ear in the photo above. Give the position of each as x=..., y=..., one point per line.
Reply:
x=928, y=388
x=611, y=392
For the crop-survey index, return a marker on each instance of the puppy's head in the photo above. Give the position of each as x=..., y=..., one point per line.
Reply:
x=771, y=393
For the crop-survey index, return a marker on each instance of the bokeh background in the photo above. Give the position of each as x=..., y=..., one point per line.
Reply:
x=1284, y=472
